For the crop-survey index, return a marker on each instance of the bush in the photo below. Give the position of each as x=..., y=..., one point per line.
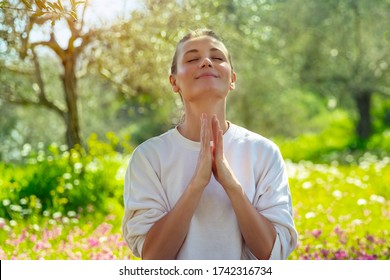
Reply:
x=337, y=142
x=58, y=180
x=318, y=147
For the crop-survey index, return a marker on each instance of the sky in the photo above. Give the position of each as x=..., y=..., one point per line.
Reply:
x=107, y=10
x=99, y=12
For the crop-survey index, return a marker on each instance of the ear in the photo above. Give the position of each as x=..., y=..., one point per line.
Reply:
x=172, y=80
x=233, y=81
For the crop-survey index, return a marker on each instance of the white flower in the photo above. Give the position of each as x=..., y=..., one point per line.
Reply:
x=307, y=185
x=337, y=194
x=357, y=222
x=16, y=208
x=361, y=201
x=72, y=214
x=377, y=198
x=310, y=215
x=57, y=215
x=103, y=239
x=6, y=202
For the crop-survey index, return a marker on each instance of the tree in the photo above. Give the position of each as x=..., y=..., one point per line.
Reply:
x=341, y=50
x=137, y=54
x=21, y=55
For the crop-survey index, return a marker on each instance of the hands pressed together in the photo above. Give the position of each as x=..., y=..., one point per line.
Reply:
x=211, y=157
x=166, y=237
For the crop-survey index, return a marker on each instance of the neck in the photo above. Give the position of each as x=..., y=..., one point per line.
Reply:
x=190, y=128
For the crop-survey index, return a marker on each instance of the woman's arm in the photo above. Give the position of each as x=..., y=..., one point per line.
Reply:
x=258, y=232
x=165, y=238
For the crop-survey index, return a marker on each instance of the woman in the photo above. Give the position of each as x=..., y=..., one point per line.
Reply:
x=207, y=189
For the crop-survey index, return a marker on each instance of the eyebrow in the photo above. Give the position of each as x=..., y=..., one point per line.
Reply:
x=196, y=51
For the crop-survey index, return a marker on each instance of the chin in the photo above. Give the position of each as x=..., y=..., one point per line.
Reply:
x=212, y=90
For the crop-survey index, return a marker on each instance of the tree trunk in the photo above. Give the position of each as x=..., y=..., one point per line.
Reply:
x=70, y=92
x=364, y=126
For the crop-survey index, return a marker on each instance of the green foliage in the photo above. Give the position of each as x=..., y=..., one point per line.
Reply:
x=54, y=9
x=57, y=180
x=380, y=143
x=289, y=60
x=340, y=212
x=321, y=146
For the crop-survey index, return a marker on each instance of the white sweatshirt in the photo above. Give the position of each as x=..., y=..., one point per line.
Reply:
x=162, y=167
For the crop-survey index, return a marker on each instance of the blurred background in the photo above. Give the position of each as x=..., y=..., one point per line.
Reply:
x=84, y=82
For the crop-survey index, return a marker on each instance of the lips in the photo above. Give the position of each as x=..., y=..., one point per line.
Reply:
x=206, y=74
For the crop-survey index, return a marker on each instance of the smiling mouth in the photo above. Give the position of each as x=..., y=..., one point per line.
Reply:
x=207, y=75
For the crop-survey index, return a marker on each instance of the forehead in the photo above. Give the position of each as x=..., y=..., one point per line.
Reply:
x=201, y=43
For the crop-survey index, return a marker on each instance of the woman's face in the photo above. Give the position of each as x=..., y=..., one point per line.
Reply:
x=203, y=70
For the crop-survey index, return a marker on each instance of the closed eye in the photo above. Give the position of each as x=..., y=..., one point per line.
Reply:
x=192, y=60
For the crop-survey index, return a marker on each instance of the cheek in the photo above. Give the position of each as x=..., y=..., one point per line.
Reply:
x=186, y=67
x=184, y=73
x=226, y=68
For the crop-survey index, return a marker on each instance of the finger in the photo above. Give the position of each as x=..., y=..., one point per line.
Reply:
x=205, y=134
x=215, y=126
x=220, y=142
x=201, y=131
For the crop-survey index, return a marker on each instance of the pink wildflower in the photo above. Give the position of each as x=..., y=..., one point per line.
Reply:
x=340, y=255
x=338, y=230
x=316, y=233
x=370, y=238
x=93, y=242
x=325, y=253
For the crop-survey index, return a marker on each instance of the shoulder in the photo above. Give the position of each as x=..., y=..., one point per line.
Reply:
x=153, y=147
x=245, y=136
x=256, y=147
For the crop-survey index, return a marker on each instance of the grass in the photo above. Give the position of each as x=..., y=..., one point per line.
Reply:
x=341, y=211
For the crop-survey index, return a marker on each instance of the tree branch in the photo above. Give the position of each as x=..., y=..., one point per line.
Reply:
x=52, y=44
x=383, y=90
x=11, y=98
x=83, y=15
x=42, y=93
x=18, y=71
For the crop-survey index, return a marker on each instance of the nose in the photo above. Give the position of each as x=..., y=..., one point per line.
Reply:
x=206, y=63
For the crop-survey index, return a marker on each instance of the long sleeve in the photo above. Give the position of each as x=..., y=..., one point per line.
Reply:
x=273, y=200
x=144, y=199
x=159, y=171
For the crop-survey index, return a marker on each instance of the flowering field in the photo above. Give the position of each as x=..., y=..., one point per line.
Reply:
x=62, y=238
x=341, y=211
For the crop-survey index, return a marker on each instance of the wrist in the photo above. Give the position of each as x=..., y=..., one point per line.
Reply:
x=234, y=189
x=196, y=186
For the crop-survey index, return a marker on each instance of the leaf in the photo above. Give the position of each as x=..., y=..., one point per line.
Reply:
x=73, y=15
x=60, y=5
x=38, y=14
x=25, y=3
x=41, y=5
x=51, y=6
